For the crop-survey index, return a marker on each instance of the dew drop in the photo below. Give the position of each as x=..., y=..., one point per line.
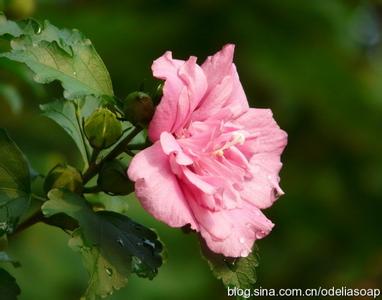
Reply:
x=242, y=240
x=109, y=271
x=244, y=253
x=120, y=242
x=149, y=243
x=74, y=73
x=39, y=29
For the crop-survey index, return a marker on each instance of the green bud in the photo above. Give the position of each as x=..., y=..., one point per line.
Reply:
x=138, y=108
x=64, y=176
x=102, y=128
x=113, y=178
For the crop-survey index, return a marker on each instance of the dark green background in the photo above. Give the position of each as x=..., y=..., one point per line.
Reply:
x=316, y=64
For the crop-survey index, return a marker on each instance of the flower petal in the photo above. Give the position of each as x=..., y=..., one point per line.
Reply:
x=157, y=188
x=184, y=87
x=247, y=224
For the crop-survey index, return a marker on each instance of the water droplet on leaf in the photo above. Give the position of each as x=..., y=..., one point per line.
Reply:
x=109, y=271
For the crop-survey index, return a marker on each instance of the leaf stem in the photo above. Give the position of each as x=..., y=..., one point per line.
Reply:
x=94, y=167
x=33, y=219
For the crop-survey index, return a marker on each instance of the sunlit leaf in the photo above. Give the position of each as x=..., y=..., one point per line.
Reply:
x=104, y=277
x=54, y=54
x=14, y=184
x=237, y=272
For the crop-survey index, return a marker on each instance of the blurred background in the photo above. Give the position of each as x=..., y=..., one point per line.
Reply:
x=316, y=64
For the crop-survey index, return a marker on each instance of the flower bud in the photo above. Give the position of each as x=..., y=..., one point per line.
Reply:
x=138, y=108
x=64, y=177
x=113, y=178
x=102, y=128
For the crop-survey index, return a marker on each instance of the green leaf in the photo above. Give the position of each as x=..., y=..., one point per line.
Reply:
x=70, y=115
x=4, y=257
x=14, y=184
x=54, y=54
x=104, y=278
x=9, y=290
x=115, y=243
x=9, y=27
x=237, y=272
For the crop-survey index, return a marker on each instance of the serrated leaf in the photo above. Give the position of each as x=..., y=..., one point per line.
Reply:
x=122, y=244
x=9, y=290
x=103, y=276
x=54, y=54
x=69, y=115
x=14, y=184
x=237, y=272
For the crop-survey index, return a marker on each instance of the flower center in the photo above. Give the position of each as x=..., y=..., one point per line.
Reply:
x=236, y=138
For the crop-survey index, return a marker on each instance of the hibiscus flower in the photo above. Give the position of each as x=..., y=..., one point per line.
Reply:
x=214, y=162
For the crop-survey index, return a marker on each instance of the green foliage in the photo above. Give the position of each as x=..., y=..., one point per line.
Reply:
x=233, y=272
x=9, y=290
x=14, y=184
x=111, y=244
x=104, y=277
x=70, y=115
x=54, y=54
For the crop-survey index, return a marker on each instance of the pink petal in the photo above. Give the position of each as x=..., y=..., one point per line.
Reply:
x=225, y=93
x=184, y=86
x=157, y=188
x=264, y=151
x=218, y=66
x=170, y=145
x=267, y=135
x=247, y=224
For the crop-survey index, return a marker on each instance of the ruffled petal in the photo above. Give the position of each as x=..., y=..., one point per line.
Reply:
x=225, y=93
x=243, y=226
x=265, y=135
x=184, y=87
x=218, y=66
x=263, y=150
x=157, y=188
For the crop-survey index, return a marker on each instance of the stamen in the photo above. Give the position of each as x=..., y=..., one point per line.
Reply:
x=237, y=138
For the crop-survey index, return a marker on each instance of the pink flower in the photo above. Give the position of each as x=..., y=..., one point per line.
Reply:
x=214, y=163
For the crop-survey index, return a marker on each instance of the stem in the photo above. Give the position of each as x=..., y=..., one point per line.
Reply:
x=94, y=168
x=37, y=197
x=33, y=219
